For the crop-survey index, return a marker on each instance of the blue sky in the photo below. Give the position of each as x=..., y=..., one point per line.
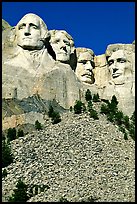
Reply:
x=93, y=25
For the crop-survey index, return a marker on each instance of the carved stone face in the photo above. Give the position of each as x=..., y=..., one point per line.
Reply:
x=85, y=66
x=119, y=65
x=29, y=33
x=61, y=46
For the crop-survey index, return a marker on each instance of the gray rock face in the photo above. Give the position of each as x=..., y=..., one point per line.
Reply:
x=5, y=25
x=32, y=64
x=121, y=65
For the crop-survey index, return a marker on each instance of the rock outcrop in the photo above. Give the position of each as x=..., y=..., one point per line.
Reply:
x=34, y=66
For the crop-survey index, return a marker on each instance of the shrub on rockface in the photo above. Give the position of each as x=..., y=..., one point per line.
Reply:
x=113, y=104
x=11, y=134
x=56, y=118
x=104, y=109
x=54, y=115
x=4, y=173
x=20, y=133
x=96, y=98
x=38, y=125
x=90, y=106
x=88, y=95
x=7, y=157
x=79, y=107
x=51, y=110
x=94, y=114
x=20, y=193
x=132, y=126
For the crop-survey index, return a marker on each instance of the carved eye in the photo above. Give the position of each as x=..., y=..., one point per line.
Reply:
x=66, y=42
x=33, y=26
x=56, y=41
x=110, y=62
x=83, y=61
x=121, y=60
x=21, y=26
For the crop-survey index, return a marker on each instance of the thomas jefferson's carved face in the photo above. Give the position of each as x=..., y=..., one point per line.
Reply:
x=119, y=65
x=61, y=46
x=29, y=33
x=85, y=66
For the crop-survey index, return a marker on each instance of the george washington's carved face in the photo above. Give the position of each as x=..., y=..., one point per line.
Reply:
x=29, y=32
x=85, y=66
x=119, y=65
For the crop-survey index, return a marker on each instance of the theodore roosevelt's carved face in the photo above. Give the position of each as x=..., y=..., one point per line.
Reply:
x=119, y=65
x=85, y=66
x=29, y=31
x=62, y=45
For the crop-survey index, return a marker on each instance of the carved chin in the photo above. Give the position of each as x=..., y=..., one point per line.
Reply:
x=86, y=79
x=63, y=57
x=31, y=46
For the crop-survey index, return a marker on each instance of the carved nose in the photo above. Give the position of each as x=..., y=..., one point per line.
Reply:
x=114, y=70
x=27, y=31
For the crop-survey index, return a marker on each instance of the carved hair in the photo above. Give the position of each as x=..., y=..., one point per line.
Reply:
x=54, y=32
x=127, y=48
x=80, y=50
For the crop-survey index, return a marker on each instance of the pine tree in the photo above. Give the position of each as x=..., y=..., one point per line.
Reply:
x=7, y=157
x=11, y=134
x=79, y=107
x=38, y=125
x=20, y=193
x=88, y=95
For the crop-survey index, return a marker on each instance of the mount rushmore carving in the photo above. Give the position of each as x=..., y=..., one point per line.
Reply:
x=38, y=61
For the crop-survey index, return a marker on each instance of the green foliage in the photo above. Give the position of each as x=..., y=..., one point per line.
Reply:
x=4, y=173
x=7, y=157
x=119, y=117
x=113, y=105
x=20, y=193
x=111, y=117
x=56, y=118
x=3, y=136
x=54, y=115
x=79, y=107
x=94, y=114
x=125, y=136
x=122, y=129
x=132, y=126
x=50, y=112
x=20, y=133
x=38, y=125
x=126, y=121
x=132, y=118
x=110, y=107
x=88, y=95
x=104, y=109
x=96, y=98
x=11, y=134
x=90, y=105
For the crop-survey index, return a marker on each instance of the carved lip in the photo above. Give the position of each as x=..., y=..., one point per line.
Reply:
x=116, y=75
x=87, y=75
x=26, y=38
x=62, y=53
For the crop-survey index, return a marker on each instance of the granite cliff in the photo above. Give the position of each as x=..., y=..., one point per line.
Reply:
x=79, y=158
